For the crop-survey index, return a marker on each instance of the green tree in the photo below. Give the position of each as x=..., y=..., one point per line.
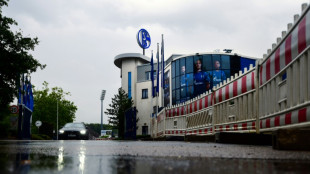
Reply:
x=45, y=107
x=97, y=127
x=15, y=59
x=120, y=103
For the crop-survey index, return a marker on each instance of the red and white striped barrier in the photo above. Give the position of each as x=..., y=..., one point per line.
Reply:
x=246, y=126
x=287, y=119
x=237, y=87
x=203, y=131
x=175, y=132
x=294, y=43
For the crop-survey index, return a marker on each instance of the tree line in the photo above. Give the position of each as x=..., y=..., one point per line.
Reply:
x=16, y=59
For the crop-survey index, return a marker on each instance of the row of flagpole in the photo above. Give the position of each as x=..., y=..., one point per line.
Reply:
x=25, y=103
x=155, y=92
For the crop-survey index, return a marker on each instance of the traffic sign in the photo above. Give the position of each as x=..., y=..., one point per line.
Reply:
x=14, y=109
x=38, y=123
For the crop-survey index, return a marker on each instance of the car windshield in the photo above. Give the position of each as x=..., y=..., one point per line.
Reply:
x=74, y=125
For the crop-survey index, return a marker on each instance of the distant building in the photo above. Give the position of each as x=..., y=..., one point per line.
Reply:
x=186, y=76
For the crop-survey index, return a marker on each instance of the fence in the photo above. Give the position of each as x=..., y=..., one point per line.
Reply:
x=235, y=103
x=274, y=94
x=284, y=90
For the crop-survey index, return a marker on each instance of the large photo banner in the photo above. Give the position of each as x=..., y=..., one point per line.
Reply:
x=194, y=75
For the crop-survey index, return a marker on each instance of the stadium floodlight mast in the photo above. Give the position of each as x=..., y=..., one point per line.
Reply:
x=102, y=98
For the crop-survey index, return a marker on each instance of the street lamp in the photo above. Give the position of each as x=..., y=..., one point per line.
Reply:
x=102, y=98
x=57, y=121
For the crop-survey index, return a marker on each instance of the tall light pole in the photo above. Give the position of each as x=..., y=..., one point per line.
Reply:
x=57, y=120
x=102, y=98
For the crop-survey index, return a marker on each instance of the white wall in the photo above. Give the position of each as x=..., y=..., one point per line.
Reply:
x=144, y=106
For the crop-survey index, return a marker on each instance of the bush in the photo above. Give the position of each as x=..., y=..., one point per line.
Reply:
x=40, y=137
x=143, y=137
x=4, y=128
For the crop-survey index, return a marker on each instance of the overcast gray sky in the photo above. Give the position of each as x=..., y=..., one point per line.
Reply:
x=80, y=38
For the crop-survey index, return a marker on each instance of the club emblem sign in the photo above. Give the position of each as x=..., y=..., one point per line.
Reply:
x=143, y=39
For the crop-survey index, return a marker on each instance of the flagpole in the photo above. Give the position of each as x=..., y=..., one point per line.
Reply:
x=20, y=114
x=157, y=91
x=162, y=70
x=152, y=90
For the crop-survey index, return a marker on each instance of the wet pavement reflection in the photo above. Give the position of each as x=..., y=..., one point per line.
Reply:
x=146, y=157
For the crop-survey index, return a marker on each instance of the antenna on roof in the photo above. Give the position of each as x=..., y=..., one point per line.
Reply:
x=227, y=50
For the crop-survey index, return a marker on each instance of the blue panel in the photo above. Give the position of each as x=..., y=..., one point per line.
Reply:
x=129, y=84
x=244, y=62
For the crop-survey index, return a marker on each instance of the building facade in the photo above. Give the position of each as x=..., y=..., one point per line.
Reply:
x=185, y=77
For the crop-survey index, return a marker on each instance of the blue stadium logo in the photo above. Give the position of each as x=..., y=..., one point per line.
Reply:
x=143, y=39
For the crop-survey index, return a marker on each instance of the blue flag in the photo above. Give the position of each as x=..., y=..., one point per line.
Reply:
x=157, y=56
x=30, y=97
x=152, y=75
x=162, y=62
x=24, y=92
x=20, y=91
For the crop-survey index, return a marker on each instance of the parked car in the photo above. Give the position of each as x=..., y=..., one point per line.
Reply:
x=76, y=131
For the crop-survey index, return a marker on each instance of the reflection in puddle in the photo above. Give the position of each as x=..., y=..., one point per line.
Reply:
x=78, y=157
x=61, y=159
x=82, y=157
x=38, y=163
x=22, y=163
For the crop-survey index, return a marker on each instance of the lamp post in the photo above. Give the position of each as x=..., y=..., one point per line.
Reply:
x=57, y=120
x=102, y=98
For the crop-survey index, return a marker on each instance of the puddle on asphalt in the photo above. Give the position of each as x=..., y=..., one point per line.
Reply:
x=89, y=157
x=42, y=163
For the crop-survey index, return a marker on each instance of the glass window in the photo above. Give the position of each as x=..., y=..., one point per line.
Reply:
x=154, y=91
x=216, y=58
x=182, y=66
x=173, y=97
x=155, y=75
x=190, y=78
x=173, y=69
x=235, y=63
x=177, y=67
x=148, y=75
x=218, y=76
x=225, y=62
x=207, y=63
x=155, y=87
x=183, y=92
x=189, y=64
x=173, y=84
x=177, y=82
x=197, y=63
x=190, y=91
x=144, y=93
x=227, y=74
x=177, y=95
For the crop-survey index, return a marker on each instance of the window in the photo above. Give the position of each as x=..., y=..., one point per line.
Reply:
x=144, y=93
x=144, y=130
x=207, y=63
x=189, y=64
x=177, y=67
x=148, y=75
x=155, y=92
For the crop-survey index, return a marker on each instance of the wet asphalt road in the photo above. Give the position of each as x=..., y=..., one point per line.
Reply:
x=146, y=157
